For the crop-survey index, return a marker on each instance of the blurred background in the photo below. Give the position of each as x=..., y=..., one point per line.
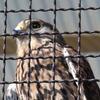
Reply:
x=67, y=21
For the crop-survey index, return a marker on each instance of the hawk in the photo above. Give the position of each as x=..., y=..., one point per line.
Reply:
x=45, y=58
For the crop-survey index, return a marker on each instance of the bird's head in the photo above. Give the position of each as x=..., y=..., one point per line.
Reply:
x=37, y=27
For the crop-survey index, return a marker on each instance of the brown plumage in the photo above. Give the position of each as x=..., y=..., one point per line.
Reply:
x=42, y=46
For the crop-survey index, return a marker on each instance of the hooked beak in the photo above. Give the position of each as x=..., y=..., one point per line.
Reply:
x=16, y=33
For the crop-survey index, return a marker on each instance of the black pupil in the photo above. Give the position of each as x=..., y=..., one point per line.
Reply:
x=36, y=25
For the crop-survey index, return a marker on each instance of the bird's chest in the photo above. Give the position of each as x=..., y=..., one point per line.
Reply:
x=38, y=73
x=38, y=69
x=34, y=65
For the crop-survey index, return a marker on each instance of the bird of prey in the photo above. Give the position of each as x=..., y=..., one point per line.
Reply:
x=50, y=65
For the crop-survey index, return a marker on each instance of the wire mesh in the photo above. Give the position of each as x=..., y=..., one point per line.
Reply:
x=54, y=10
x=4, y=48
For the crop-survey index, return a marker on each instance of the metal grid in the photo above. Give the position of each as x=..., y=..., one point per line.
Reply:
x=79, y=33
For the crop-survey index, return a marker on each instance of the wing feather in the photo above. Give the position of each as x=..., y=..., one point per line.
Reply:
x=11, y=92
x=82, y=71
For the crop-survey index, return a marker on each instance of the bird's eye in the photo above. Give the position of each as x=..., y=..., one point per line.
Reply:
x=35, y=25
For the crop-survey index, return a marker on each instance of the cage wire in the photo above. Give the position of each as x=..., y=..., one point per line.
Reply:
x=54, y=10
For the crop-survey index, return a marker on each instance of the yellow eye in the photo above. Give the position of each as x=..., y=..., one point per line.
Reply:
x=35, y=25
